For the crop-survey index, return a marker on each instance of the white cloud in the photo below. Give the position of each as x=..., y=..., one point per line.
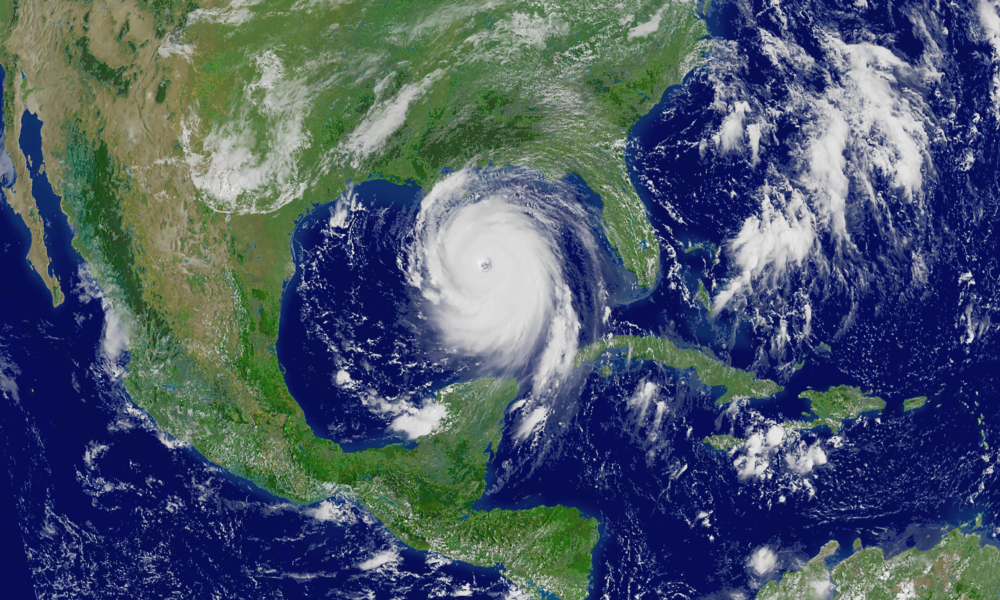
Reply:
x=564, y=330
x=645, y=29
x=661, y=409
x=533, y=30
x=487, y=261
x=7, y=383
x=730, y=134
x=753, y=463
x=93, y=452
x=990, y=22
x=115, y=338
x=380, y=559
x=826, y=178
x=642, y=397
x=868, y=124
x=415, y=423
x=805, y=458
x=311, y=4
x=753, y=137
x=758, y=451
x=228, y=171
x=878, y=106
x=384, y=119
x=170, y=442
x=507, y=38
x=779, y=237
x=343, y=379
x=763, y=561
x=775, y=434
x=338, y=513
x=237, y=13
x=529, y=423
x=823, y=588
x=272, y=71
x=442, y=16
x=170, y=47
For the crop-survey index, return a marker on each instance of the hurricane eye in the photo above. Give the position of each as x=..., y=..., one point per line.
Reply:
x=485, y=265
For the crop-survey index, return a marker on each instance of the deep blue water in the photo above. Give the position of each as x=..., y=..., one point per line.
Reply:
x=101, y=499
x=318, y=315
x=888, y=330
x=349, y=309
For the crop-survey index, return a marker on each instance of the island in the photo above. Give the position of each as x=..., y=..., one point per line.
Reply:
x=711, y=371
x=835, y=405
x=724, y=442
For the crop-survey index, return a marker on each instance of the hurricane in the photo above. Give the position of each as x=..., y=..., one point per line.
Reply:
x=494, y=262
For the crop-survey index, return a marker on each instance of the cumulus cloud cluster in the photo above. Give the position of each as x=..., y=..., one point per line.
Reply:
x=380, y=559
x=336, y=512
x=869, y=123
x=410, y=420
x=499, y=261
x=804, y=458
x=531, y=421
x=758, y=452
x=762, y=561
x=645, y=400
x=234, y=171
x=236, y=13
x=417, y=422
x=765, y=452
x=115, y=338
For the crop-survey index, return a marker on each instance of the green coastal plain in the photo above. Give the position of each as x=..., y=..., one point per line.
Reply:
x=957, y=568
x=187, y=138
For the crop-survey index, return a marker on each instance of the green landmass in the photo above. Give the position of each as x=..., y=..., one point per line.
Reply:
x=703, y=296
x=711, y=371
x=295, y=98
x=914, y=403
x=837, y=405
x=958, y=568
x=723, y=442
x=811, y=582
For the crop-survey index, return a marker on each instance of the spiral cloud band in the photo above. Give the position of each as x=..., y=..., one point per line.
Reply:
x=490, y=259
